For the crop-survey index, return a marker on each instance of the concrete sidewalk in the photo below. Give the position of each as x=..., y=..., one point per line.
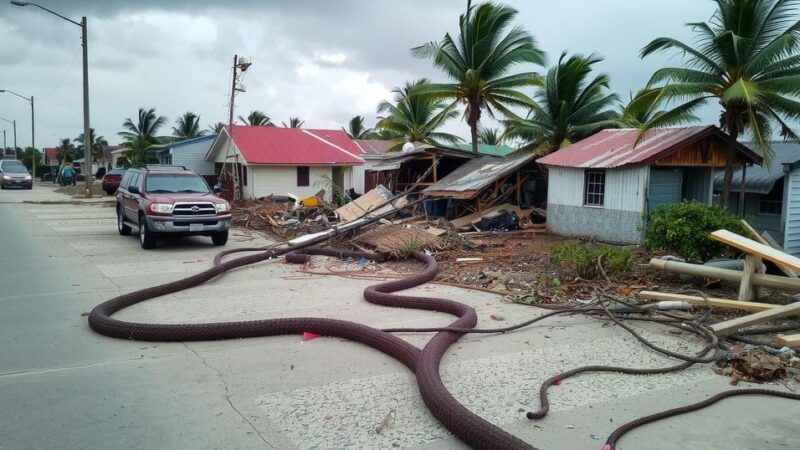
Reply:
x=45, y=192
x=63, y=386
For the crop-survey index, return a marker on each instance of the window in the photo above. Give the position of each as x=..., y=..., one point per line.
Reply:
x=771, y=204
x=303, y=177
x=594, y=188
x=126, y=179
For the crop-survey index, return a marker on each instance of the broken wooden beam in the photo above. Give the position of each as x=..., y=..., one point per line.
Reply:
x=755, y=248
x=700, y=301
x=788, y=340
x=769, y=242
x=734, y=325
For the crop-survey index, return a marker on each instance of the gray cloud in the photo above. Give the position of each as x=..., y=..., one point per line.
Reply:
x=324, y=61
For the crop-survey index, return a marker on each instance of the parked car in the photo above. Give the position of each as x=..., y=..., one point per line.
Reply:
x=14, y=174
x=111, y=180
x=170, y=200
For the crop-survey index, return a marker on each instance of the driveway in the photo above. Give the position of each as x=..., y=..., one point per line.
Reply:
x=63, y=386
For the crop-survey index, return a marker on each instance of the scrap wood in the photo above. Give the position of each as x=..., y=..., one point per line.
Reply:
x=788, y=340
x=373, y=201
x=398, y=240
x=762, y=240
x=755, y=365
x=465, y=222
x=731, y=326
x=755, y=248
x=700, y=301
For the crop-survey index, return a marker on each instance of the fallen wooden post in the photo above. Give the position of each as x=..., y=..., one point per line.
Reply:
x=700, y=301
x=731, y=326
x=788, y=340
x=735, y=276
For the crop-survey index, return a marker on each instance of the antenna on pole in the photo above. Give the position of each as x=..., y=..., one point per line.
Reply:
x=232, y=170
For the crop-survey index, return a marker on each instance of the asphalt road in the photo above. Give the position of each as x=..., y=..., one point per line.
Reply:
x=63, y=386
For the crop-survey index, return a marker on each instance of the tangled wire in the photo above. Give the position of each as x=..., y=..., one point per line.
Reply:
x=425, y=362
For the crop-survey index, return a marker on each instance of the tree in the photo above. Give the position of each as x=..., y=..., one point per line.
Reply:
x=187, y=126
x=479, y=61
x=571, y=105
x=490, y=136
x=415, y=117
x=96, y=144
x=357, y=130
x=644, y=112
x=746, y=58
x=65, y=150
x=294, y=122
x=257, y=118
x=216, y=128
x=141, y=137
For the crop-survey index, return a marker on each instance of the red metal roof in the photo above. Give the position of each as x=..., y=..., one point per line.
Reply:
x=374, y=146
x=615, y=148
x=295, y=146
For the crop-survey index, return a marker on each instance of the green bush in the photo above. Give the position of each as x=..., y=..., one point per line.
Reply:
x=683, y=228
x=581, y=259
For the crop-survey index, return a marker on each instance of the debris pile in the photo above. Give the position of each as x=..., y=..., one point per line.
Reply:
x=757, y=365
x=284, y=217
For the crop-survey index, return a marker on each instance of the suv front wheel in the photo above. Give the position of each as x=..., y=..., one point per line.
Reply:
x=220, y=238
x=146, y=237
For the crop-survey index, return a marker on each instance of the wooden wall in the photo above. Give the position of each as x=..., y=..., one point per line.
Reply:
x=708, y=152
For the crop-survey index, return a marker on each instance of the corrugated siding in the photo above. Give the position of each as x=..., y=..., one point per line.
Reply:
x=666, y=186
x=791, y=240
x=193, y=157
x=697, y=183
x=624, y=188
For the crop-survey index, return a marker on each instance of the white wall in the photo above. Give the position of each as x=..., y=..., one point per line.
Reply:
x=625, y=188
x=280, y=180
x=791, y=212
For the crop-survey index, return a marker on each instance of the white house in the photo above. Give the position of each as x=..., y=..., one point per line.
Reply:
x=604, y=185
x=273, y=160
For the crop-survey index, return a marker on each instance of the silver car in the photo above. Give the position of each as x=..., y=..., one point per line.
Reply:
x=14, y=174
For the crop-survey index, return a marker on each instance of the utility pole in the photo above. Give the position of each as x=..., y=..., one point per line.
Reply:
x=4, y=144
x=231, y=170
x=14, y=123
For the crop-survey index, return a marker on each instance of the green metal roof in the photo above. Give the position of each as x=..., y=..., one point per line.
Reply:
x=485, y=149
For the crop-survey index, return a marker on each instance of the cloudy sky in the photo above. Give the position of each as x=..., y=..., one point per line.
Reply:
x=323, y=61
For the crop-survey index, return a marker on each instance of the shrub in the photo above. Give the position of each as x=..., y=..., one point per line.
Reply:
x=683, y=229
x=581, y=259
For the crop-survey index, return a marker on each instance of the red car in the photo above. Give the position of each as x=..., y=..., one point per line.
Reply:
x=112, y=179
x=170, y=200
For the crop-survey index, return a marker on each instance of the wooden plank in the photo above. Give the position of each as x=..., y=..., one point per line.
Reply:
x=788, y=340
x=750, y=246
x=715, y=302
x=774, y=244
x=763, y=240
x=753, y=233
x=731, y=326
x=747, y=290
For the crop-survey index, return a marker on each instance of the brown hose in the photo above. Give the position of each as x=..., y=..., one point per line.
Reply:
x=469, y=427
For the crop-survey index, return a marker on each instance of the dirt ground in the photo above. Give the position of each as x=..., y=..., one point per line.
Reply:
x=79, y=190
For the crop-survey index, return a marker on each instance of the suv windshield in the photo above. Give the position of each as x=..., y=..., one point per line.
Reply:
x=176, y=183
x=14, y=167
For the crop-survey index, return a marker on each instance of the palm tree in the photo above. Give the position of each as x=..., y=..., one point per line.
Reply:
x=644, y=112
x=187, y=126
x=96, y=143
x=216, y=128
x=479, y=61
x=256, y=118
x=65, y=148
x=747, y=58
x=357, y=130
x=490, y=136
x=415, y=117
x=294, y=122
x=141, y=137
x=571, y=106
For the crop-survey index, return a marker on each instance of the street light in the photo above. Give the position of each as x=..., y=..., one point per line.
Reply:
x=13, y=122
x=33, y=139
x=87, y=147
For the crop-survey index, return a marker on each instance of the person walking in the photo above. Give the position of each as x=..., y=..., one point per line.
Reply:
x=67, y=175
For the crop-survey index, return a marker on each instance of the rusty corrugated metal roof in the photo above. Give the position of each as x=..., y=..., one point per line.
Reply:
x=615, y=148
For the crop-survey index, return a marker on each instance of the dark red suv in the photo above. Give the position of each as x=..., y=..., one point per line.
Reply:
x=162, y=200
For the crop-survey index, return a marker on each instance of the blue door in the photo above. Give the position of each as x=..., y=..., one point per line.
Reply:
x=666, y=186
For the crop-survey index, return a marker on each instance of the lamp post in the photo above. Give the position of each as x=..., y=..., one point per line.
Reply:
x=87, y=145
x=33, y=130
x=14, y=123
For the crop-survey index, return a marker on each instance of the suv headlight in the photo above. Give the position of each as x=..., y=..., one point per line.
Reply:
x=27, y=177
x=161, y=208
x=223, y=207
x=6, y=177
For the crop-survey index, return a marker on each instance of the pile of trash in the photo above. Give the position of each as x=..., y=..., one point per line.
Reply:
x=284, y=216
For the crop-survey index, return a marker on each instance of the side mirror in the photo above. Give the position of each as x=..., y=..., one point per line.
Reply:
x=216, y=189
x=133, y=189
